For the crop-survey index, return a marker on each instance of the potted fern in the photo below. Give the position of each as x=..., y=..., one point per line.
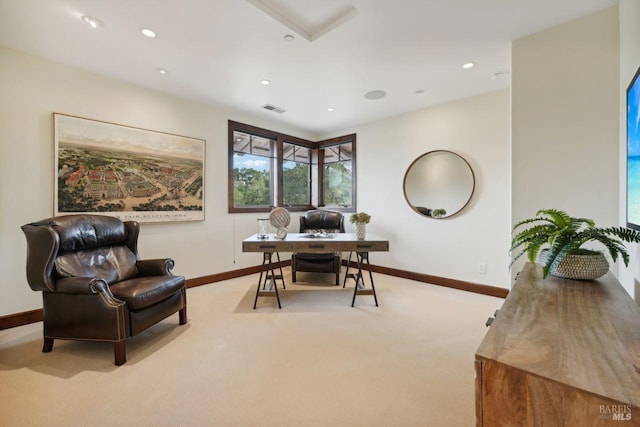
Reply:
x=558, y=239
x=360, y=219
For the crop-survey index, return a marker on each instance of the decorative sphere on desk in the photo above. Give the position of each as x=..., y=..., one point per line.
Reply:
x=279, y=217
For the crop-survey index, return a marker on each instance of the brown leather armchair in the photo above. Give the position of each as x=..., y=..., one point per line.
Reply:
x=94, y=286
x=312, y=221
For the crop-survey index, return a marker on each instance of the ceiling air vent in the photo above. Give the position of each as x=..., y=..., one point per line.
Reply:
x=274, y=108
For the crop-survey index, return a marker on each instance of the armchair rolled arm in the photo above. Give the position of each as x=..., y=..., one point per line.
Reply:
x=87, y=286
x=77, y=285
x=155, y=267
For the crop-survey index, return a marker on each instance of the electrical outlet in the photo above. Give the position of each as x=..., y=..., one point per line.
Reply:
x=482, y=268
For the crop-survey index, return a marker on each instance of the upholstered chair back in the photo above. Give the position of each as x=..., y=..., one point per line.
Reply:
x=80, y=246
x=320, y=219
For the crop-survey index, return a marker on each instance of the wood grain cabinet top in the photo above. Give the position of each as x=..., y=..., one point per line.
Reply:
x=561, y=352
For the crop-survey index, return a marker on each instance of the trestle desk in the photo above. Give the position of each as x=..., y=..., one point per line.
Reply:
x=309, y=242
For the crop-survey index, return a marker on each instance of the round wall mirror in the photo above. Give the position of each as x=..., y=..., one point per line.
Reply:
x=439, y=184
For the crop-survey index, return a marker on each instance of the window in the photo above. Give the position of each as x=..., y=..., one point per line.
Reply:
x=252, y=170
x=268, y=169
x=296, y=175
x=338, y=173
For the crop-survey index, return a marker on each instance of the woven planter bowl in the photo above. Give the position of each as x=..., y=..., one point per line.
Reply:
x=586, y=266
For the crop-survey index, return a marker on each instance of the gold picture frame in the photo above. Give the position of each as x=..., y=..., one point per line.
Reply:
x=127, y=172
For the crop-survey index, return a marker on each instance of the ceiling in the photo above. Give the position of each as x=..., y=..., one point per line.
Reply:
x=218, y=51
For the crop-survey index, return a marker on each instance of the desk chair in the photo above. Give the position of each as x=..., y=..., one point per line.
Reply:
x=313, y=221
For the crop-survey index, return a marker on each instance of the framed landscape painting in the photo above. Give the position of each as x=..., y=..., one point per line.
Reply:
x=126, y=172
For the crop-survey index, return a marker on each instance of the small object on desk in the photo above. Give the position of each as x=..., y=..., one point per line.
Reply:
x=318, y=235
x=280, y=219
x=281, y=233
x=262, y=228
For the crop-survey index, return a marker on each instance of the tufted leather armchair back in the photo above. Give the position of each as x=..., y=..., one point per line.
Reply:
x=320, y=219
x=81, y=246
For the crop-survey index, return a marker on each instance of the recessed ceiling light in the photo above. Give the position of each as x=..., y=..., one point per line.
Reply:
x=148, y=32
x=498, y=76
x=330, y=109
x=375, y=95
x=91, y=21
x=289, y=37
x=419, y=93
x=265, y=82
x=162, y=71
x=468, y=65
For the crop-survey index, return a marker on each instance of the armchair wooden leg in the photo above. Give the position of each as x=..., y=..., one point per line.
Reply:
x=120, y=352
x=48, y=345
x=183, y=315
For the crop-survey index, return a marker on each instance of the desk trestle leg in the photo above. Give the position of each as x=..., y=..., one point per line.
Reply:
x=348, y=275
x=269, y=277
x=359, y=288
x=270, y=274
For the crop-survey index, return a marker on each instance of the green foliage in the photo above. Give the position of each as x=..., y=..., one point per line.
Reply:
x=338, y=184
x=295, y=185
x=437, y=213
x=72, y=199
x=563, y=234
x=360, y=217
x=251, y=187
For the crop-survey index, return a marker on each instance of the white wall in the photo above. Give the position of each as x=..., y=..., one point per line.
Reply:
x=565, y=125
x=477, y=128
x=566, y=154
x=31, y=89
x=629, y=63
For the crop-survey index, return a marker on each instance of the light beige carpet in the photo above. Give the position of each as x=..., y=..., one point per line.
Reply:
x=316, y=362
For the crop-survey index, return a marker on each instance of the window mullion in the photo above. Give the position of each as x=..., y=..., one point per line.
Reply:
x=279, y=166
x=320, y=181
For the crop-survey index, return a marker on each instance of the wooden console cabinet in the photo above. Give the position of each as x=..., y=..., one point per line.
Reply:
x=561, y=353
